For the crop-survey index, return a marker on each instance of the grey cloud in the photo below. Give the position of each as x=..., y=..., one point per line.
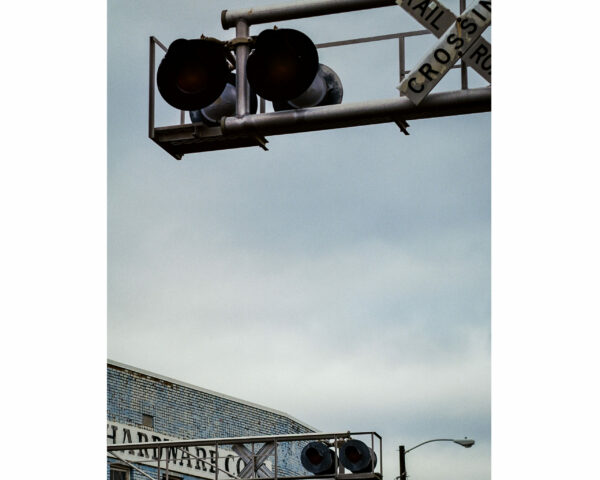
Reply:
x=342, y=277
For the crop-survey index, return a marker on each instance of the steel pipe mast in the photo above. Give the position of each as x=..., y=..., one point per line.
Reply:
x=294, y=10
x=361, y=113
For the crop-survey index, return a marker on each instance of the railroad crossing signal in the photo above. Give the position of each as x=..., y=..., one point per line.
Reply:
x=218, y=82
x=197, y=75
x=319, y=459
x=193, y=73
x=284, y=68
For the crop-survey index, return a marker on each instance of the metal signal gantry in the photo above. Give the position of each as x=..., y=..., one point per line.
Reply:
x=218, y=82
x=339, y=456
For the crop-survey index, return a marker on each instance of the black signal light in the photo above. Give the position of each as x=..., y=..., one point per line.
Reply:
x=283, y=64
x=317, y=458
x=193, y=73
x=357, y=457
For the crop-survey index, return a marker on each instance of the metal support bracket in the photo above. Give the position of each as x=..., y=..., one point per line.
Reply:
x=197, y=130
x=402, y=125
x=262, y=142
x=239, y=41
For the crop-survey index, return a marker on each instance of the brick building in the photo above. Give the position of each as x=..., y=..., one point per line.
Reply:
x=144, y=406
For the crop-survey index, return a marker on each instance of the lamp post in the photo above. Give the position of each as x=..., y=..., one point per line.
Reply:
x=466, y=442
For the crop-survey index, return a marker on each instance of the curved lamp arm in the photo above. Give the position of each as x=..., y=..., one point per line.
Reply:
x=467, y=443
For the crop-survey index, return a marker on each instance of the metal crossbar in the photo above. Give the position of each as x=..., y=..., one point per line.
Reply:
x=401, y=51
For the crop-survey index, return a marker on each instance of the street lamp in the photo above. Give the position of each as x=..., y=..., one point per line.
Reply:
x=466, y=442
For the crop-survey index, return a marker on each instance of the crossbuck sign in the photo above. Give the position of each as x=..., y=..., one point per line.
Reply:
x=459, y=37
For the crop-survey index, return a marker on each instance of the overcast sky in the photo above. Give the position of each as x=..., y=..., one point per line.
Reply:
x=209, y=229
x=342, y=277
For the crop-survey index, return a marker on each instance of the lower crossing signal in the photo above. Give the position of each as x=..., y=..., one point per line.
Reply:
x=317, y=458
x=357, y=457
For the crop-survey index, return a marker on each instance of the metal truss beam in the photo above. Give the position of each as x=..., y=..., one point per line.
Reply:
x=233, y=440
x=255, y=461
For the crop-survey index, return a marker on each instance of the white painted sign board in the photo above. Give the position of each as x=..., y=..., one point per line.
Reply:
x=462, y=34
x=196, y=461
x=436, y=18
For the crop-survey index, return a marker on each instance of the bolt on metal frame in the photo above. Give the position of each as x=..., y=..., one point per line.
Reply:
x=256, y=459
x=246, y=129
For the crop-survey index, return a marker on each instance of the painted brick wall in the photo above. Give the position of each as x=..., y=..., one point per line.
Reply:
x=187, y=413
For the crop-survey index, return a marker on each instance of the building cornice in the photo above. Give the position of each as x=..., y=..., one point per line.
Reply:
x=163, y=378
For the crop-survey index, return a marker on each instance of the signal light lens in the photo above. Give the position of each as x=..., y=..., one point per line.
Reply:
x=353, y=454
x=193, y=73
x=192, y=79
x=283, y=64
x=314, y=457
